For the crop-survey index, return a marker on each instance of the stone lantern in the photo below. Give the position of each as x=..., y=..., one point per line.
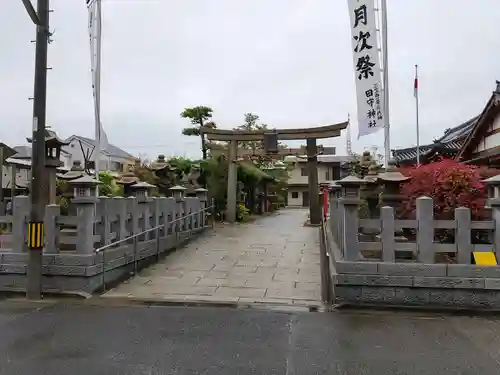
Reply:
x=53, y=145
x=391, y=181
x=350, y=187
x=334, y=190
x=85, y=189
x=365, y=163
x=141, y=190
x=75, y=172
x=178, y=192
x=371, y=189
x=128, y=179
x=201, y=194
x=493, y=186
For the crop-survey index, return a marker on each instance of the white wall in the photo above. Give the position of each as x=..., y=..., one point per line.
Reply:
x=74, y=148
x=22, y=175
x=297, y=178
x=492, y=140
x=296, y=202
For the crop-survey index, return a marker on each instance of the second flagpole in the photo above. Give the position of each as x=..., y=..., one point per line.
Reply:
x=416, y=114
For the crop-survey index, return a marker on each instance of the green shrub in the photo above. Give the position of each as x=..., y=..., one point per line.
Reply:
x=242, y=212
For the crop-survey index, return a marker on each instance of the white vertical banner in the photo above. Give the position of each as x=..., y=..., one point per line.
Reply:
x=95, y=23
x=366, y=66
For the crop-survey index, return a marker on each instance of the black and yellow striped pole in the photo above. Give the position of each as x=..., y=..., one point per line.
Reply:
x=35, y=235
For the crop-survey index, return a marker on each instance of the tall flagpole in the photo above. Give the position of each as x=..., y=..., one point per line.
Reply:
x=385, y=59
x=416, y=112
x=97, y=90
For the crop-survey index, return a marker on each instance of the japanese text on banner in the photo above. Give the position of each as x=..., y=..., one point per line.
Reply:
x=366, y=66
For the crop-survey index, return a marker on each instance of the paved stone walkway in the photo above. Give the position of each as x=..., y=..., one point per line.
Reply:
x=272, y=260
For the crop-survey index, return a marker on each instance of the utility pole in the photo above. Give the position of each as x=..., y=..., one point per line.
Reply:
x=37, y=190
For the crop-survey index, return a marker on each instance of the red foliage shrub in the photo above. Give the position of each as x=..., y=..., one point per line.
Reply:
x=449, y=183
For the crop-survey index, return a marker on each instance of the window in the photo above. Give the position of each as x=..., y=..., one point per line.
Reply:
x=82, y=192
x=336, y=173
x=90, y=164
x=116, y=166
x=327, y=175
x=303, y=172
x=295, y=195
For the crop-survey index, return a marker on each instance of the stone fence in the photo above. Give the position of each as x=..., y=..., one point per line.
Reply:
x=72, y=260
x=421, y=262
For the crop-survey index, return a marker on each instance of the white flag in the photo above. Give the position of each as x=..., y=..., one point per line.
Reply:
x=94, y=8
x=366, y=66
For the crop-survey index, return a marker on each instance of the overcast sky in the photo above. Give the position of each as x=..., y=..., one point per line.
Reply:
x=289, y=61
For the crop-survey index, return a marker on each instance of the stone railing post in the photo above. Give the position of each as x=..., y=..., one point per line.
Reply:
x=350, y=202
x=105, y=212
x=425, y=230
x=162, y=215
x=21, y=209
x=169, y=212
x=178, y=195
x=52, y=212
x=387, y=234
x=121, y=211
x=133, y=209
x=334, y=191
x=144, y=208
x=85, y=227
x=494, y=203
x=463, y=235
x=201, y=194
x=156, y=216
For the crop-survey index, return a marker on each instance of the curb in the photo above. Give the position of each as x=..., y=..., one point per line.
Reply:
x=129, y=301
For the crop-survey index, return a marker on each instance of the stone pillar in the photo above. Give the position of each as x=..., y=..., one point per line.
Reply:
x=13, y=179
x=121, y=212
x=312, y=167
x=494, y=203
x=169, y=212
x=52, y=212
x=133, y=209
x=334, y=192
x=21, y=209
x=52, y=186
x=425, y=230
x=232, y=182
x=85, y=226
x=146, y=212
x=349, y=205
x=201, y=194
x=105, y=213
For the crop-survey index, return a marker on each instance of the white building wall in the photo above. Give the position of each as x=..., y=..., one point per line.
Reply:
x=492, y=140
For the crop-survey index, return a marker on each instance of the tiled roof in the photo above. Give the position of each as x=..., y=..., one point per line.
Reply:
x=111, y=149
x=451, y=142
x=458, y=131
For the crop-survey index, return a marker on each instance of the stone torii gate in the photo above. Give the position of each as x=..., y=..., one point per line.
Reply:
x=270, y=139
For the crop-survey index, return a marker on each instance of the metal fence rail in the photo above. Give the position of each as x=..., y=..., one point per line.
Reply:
x=135, y=241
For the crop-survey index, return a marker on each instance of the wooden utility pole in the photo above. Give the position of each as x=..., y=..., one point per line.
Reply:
x=34, y=284
x=312, y=169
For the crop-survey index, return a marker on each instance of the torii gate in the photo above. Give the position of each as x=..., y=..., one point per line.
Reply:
x=270, y=139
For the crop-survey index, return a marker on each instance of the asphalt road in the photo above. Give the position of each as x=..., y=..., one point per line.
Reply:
x=80, y=339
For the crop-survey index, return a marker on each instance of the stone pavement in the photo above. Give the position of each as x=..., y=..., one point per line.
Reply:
x=272, y=260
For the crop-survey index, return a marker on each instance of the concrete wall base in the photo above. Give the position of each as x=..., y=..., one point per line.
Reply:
x=83, y=273
x=417, y=297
